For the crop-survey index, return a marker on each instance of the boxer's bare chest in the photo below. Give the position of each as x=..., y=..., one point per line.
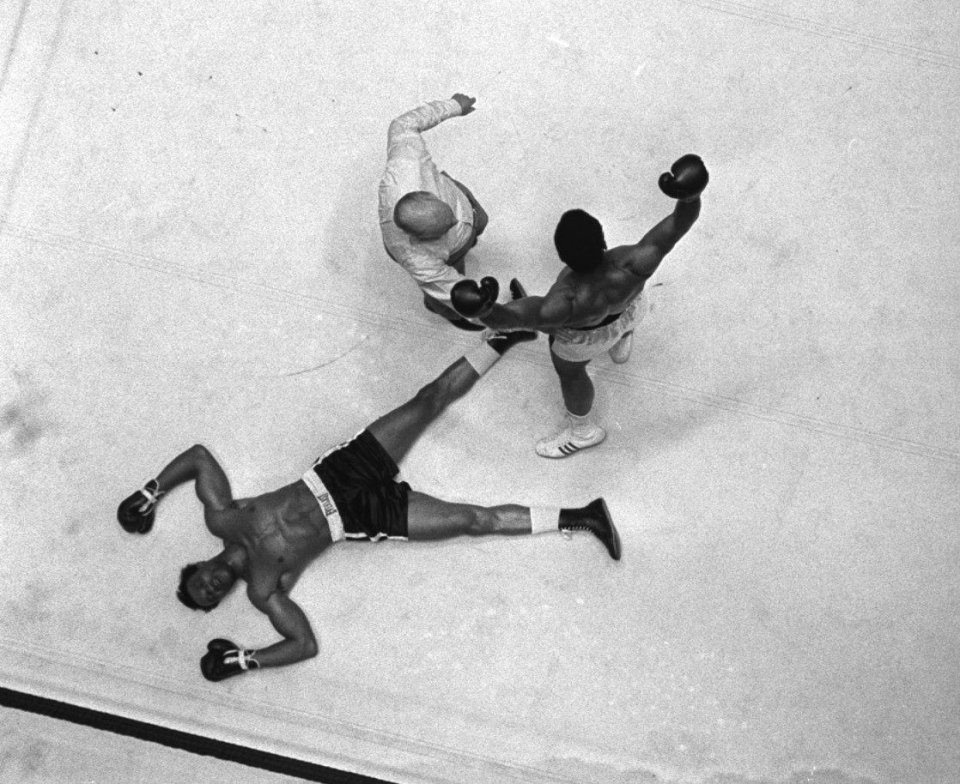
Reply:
x=281, y=533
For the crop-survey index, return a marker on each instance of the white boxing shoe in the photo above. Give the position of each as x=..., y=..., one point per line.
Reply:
x=568, y=442
x=620, y=352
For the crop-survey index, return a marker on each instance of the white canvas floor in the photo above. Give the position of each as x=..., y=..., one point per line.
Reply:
x=39, y=750
x=189, y=252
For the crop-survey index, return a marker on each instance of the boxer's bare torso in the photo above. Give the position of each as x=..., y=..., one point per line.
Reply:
x=583, y=299
x=589, y=298
x=280, y=532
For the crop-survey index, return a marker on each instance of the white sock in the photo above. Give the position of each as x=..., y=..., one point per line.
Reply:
x=544, y=519
x=582, y=425
x=482, y=358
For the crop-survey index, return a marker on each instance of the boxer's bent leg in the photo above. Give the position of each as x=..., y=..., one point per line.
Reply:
x=430, y=518
x=398, y=430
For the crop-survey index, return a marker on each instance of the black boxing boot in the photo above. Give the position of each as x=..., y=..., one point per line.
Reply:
x=501, y=341
x=594, y=517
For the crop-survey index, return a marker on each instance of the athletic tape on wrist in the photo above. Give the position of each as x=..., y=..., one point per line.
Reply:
x=153, y=495
x=247, y=660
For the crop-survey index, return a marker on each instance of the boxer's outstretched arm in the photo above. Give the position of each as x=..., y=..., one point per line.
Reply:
x=668, y=232
x=647, y=254
x=537, y=313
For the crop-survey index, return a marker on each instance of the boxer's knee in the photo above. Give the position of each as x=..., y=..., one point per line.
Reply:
x=431, y=399
x=438, y=394
x=566, y=368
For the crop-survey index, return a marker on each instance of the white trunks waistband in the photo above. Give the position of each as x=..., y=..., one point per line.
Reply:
x=327, y=505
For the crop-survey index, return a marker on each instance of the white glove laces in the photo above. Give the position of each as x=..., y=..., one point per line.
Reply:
x=247, y=660
x=151, y=492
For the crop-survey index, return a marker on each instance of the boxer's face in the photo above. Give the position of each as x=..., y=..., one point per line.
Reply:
x=210, y=583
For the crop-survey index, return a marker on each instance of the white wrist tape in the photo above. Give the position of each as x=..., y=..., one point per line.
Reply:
x=247, y=660
x=152, y=495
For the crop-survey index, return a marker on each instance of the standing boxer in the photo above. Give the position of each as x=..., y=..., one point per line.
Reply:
x=594, y=304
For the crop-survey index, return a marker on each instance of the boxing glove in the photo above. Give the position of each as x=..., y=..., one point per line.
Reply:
x=136, y=512
x=517, y=291
x=471, y=300
x=224, y=659
x=686, y=179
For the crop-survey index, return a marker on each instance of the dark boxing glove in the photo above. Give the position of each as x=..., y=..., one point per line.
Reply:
x=517, y=291
x=686, y=179
x=224, y=659
x=471, y=300
x=136, y=512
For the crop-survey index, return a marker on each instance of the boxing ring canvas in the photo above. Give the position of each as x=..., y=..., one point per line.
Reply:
x=189, y=253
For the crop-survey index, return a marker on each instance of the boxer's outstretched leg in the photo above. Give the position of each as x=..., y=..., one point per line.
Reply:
x=398, y=430
x=429, y=518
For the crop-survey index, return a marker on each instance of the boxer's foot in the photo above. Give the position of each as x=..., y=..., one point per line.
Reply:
x=571, y=440
x=594, y=517
x=501, y=341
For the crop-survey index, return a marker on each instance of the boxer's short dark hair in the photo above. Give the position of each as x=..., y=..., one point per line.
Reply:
x=183, y=595
x=579, y=240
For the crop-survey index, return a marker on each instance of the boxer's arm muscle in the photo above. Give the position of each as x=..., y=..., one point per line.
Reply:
x=291, y=622
x=210, y=481
x=543, y=313
x=647, y=254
